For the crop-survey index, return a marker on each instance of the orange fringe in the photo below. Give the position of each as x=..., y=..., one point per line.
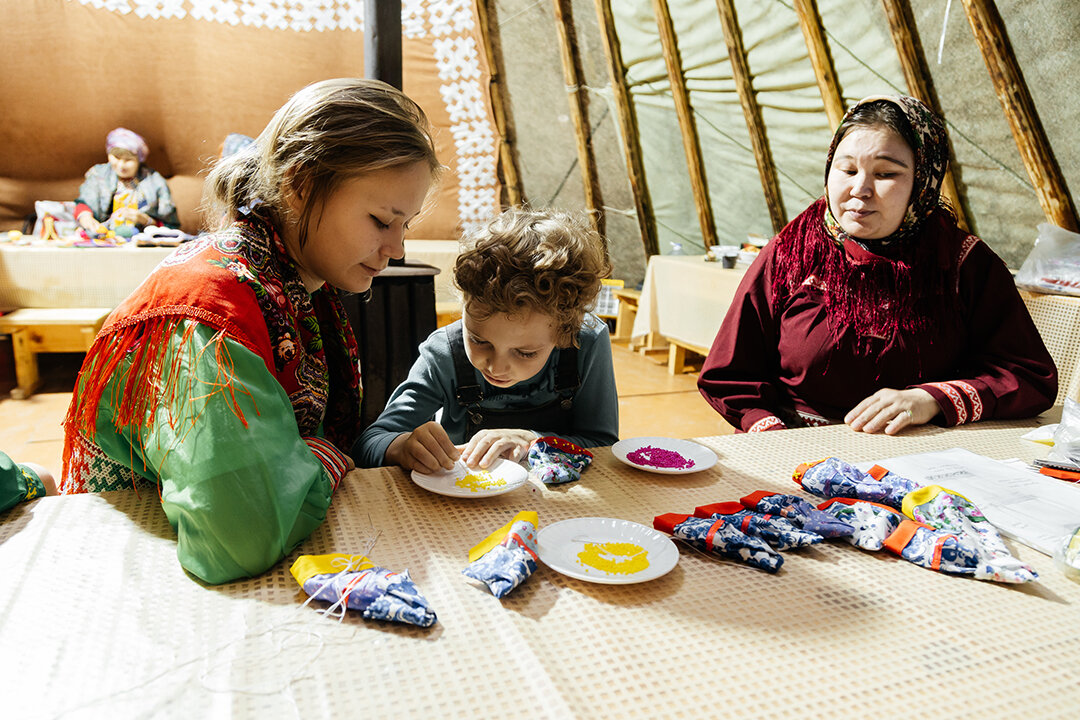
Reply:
x=150, y=382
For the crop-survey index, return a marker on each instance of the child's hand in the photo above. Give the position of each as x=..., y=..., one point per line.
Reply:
x=427, y=449
x=487, y=446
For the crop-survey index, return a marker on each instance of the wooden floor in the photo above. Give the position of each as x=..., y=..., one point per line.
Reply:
x=651, y=403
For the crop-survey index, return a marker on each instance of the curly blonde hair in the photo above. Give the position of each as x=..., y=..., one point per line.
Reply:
x=533, y=261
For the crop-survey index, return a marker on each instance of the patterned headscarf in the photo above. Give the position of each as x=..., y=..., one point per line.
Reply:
x=127, y=140
x=890, y=286
x=931, y=151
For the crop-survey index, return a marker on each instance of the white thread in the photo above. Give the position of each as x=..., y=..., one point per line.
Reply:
x=281, y=626
x=620, y=211
x=944, y=24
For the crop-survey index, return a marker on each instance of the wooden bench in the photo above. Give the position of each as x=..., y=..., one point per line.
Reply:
x=624, y=319
x=41, y=330
x=677, y=355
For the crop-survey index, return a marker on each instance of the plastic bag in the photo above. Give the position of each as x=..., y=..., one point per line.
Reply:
x=1067, y=435
x=1053, y=266
x=62, y=213
x=1067, y=555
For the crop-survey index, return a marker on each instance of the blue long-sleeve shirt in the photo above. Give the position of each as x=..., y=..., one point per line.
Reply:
x=432, y=385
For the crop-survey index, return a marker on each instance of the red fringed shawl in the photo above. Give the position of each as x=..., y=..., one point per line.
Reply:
x=241, y=283
x=871, y=294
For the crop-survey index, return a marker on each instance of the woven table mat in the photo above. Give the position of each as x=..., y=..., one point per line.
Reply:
x=105, y=620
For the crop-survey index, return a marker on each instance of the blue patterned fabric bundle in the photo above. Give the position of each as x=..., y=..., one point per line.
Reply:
x=773, y=529
x=356, y=583
x=833, y=477
x=799, y=512
x=951, y=512
x=505, y=566
x=720, y=538
x=555, y=461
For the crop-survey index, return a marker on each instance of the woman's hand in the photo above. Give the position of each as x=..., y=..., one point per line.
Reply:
x=892, y=411
x=131, y=215
x=427, y=448
x=89, y=223
x=487, y=446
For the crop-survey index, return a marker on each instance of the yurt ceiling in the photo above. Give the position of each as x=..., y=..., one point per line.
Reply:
x=996, y=191
x=187, y=72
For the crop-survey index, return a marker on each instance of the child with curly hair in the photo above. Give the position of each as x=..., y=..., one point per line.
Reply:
x=526, y=359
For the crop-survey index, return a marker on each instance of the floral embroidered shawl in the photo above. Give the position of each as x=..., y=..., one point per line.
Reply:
x=241, y=282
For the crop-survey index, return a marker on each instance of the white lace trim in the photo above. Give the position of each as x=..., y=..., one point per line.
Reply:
x=450, y=24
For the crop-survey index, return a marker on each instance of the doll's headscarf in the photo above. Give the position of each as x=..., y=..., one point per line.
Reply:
x=931, y=151
x=234, y=143
x=127, y=140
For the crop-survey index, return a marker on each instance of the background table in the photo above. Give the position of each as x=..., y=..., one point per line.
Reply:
x=96, y=615
x=389, y=328
x=683, y=300
x=44, y=277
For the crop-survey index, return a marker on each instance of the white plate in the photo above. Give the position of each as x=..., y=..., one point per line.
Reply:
x=746, y=257
x=606, y=550
x=702, y=457
x=502, y=477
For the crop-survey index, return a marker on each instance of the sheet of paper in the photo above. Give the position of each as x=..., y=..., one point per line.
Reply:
x=1024, y=505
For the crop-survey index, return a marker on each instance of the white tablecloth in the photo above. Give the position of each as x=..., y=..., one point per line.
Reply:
x=102, y=277
x=684, y=298
x=42, y=277
x=97, y=619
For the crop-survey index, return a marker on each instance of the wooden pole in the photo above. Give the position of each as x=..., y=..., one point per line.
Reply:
x=382, y=41
x=699, y=184
x=744, y=83
x=579, y=110
x=628, y=125
x=1012, y=91
x=905, y=35
x=500, y=104
x=814, y=33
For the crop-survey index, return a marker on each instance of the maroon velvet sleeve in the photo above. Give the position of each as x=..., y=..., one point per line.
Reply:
x=1008, y=372
x=735, y=377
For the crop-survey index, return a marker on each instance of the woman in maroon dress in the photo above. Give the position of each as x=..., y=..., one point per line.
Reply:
x=873, y=307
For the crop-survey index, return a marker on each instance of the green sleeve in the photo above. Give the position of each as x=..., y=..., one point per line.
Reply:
x=17, y=483
x=239, y=484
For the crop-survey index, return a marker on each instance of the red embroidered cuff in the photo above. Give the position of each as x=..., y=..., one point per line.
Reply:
x=959, y=401
x=766, y=422
x=335, y=461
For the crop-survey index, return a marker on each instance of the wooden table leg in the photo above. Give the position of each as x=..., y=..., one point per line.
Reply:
x=676, y=359
x=26, y=367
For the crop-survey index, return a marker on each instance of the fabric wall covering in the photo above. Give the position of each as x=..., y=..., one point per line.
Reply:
x=999, y=194
x=185, y=73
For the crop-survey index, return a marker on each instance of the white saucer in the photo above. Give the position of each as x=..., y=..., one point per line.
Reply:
x=701, y=457
x=593, y=549
x=502, y=477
